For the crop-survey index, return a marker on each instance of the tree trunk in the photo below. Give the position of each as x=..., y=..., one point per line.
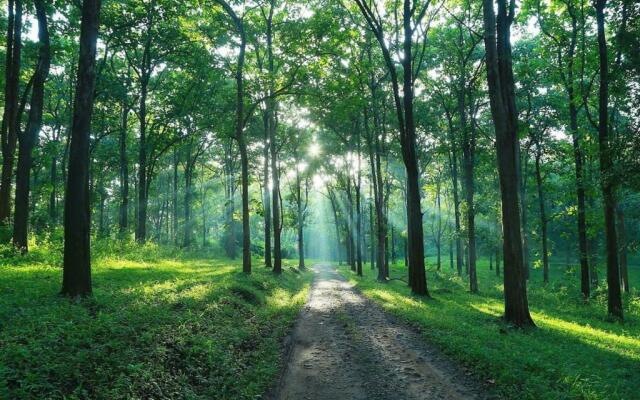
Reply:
x=300, y=227
x=246, y=233
x=614, y=304
x=76, y=277
x=10, y=121
x=53, y=196
x=543, y=217
x=101, y=207
x=468, y=150
x=174, y=203
x=124, y=172
x=351, y=249
x=203, y=209
x=451, y=254
x=582, y=222
x=273, y=149
x=188, y=194
x=141, y=228
x=523, y=210
x=266, y=197
x=240, y=138
x=275, y=197
x=230, y=189
x=453, y=160
x=406, y=124
x=358, y=212
x=503, y=109
x=334, y=209
x=30, y=136
x=622, y=236
x=372, y=234
x=439, y=234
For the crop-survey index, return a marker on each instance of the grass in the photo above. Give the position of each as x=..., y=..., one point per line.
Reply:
x=160, y=324
x=575, y=353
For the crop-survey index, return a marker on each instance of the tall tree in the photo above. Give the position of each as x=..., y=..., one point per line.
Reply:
x=28, y=139
x=412, y=15
x=10, y=120
x=497, y=39
x=76, y=278
x=614, y=303
x=566, y=64
x=239, y=135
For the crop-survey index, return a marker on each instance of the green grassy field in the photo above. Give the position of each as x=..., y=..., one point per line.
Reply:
x=575, y=353
x=160, y=325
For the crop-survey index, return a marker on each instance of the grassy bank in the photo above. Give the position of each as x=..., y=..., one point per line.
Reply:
x=160, y=325
x=575, y=353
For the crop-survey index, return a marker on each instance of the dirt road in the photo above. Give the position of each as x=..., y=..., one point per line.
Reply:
x=345, y=347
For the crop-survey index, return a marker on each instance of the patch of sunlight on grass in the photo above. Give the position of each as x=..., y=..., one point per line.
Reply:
x=196, y=292
x=590, y=335
x=119, y=263
x=281, y=297
x=392, y=298
x=493, y=309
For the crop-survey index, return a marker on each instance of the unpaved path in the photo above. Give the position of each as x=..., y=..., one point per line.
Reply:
x=345, y=347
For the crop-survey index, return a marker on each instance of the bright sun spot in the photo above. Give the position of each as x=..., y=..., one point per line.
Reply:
x=315, y=149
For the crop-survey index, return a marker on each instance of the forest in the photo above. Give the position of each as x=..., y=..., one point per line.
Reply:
x=320, y=199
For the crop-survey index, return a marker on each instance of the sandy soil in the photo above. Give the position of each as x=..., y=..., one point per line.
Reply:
x=345, y=347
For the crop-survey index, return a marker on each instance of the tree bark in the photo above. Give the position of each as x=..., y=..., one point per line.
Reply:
x=124, y=172
x=543, y=217
x=29, y=138
x=230, y=189
x=439, y=231
x=406, y=124
x=76, y=277
x=453, y=162
x=145, y=76
x=174, y=203
x=580, y=190
x=188, y=194
x=523, y=210
x=266, y=197
x=358, y=187
x=614, y=303
x=503, y=109
x=468, y=155
x=300, y=226
x=242, y=145
x=53, y=196
x=622, y=236
x=240, y=137
x=567, y=75
x=10, y=121
x=334, y=209
x=408, y=142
